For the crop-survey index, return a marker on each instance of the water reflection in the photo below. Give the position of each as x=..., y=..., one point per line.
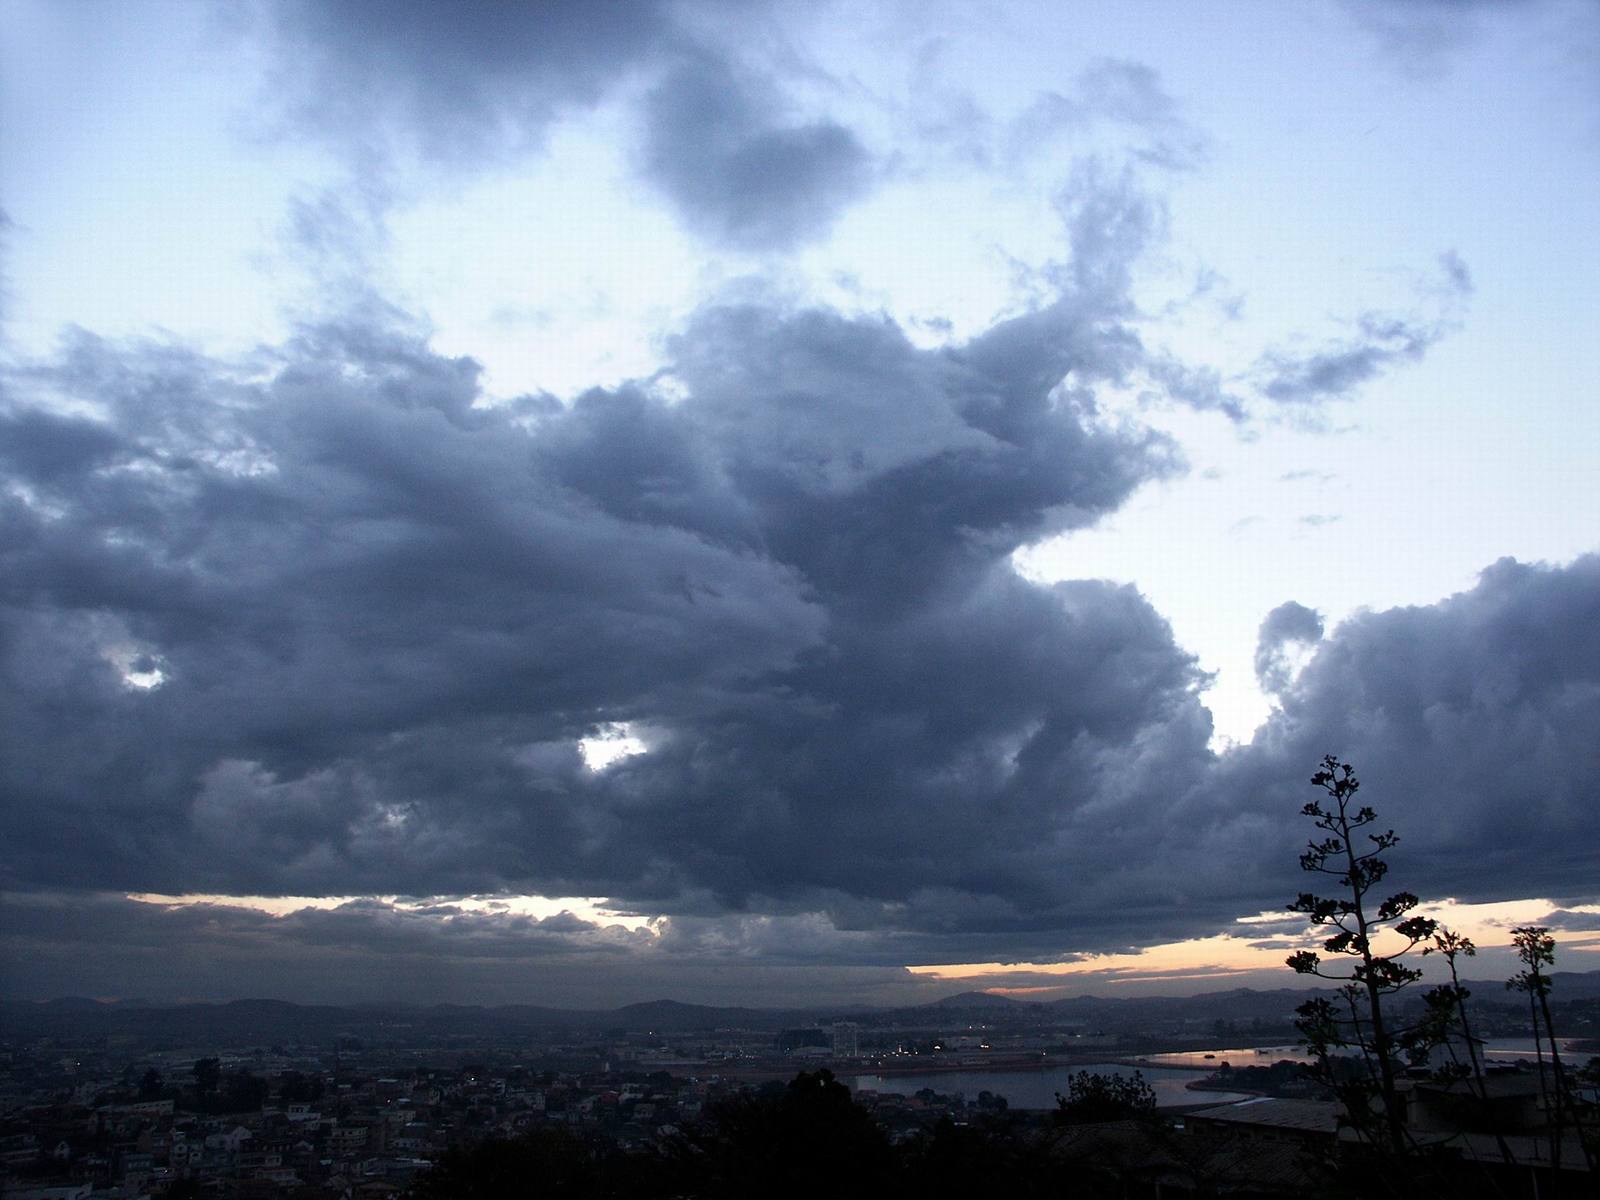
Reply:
x=1166, y=1073
x=1234, y=1056
x=1037, y=1089
x=1509, y=1050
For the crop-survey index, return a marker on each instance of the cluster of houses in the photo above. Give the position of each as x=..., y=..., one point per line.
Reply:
x=363, y=1139
x=321, y=1131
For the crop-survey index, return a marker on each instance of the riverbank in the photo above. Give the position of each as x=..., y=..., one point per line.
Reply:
x=1036, y=1088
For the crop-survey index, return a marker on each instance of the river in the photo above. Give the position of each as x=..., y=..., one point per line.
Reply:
x=1166, y=1073
x=1037, y=1089
x=1496, y=1050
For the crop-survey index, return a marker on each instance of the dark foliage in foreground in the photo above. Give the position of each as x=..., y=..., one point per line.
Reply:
x=996, y=1159
x=807, y=1139
x=810, y=1139
x=546, y=1163
x=1093, y=1098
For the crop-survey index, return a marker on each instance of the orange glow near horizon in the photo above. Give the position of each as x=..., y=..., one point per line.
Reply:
x=1231, y=954
x=1256, y=945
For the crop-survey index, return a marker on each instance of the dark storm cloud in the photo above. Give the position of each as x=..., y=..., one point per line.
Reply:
x=6, y=226
x=1380, y=341
x=1455, y=276
x=941, y=112
x=740, y=171
x=1473, y=725
x=1581, y=922
x=1288, y=626
x=349, y=549
x=1201, y=388
x=325, y=621
x=1377, y=342
x=338, y=237
x=457, y=83
x=1420, y=35
x=377, y=614
x=1120, y=93
x=459, y=86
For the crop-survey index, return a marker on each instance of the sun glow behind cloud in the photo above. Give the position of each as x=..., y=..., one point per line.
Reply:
x=585, y=908
x=614, y=742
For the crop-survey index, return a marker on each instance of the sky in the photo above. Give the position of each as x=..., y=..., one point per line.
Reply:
x=769, y=503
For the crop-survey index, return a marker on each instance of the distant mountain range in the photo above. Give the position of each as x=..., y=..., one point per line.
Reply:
x=280, y=1021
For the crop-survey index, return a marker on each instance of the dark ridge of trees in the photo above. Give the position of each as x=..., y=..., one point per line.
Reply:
x=996, y=1158
x=546, y=1163
x=808, y=1139
x=207, y=1074
x=295, y=1087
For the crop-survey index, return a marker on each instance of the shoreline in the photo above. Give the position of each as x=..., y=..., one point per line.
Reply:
x=1013, y=1064
x=965, y=1064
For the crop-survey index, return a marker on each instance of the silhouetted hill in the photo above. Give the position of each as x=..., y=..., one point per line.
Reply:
x=1564, y=985
x=979, y=1000
x=675, y=1016
x=265, y=1022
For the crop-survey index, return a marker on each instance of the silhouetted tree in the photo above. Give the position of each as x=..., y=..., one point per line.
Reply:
x=1092, y=1097
x=1447, y=1005
x=1446, y=1011
x=207, y=1074
x=150, y=1085
x=246, y=1092
x=994, y=1158
x=546, y=1163
x=299, y=1087
x=1361, y=1022
x=1537, y=950
x=809, y=1139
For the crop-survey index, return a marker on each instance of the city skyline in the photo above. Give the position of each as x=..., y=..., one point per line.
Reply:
x=575, y=504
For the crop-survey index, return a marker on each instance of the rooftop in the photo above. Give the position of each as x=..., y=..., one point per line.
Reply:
x=1311, y=1116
